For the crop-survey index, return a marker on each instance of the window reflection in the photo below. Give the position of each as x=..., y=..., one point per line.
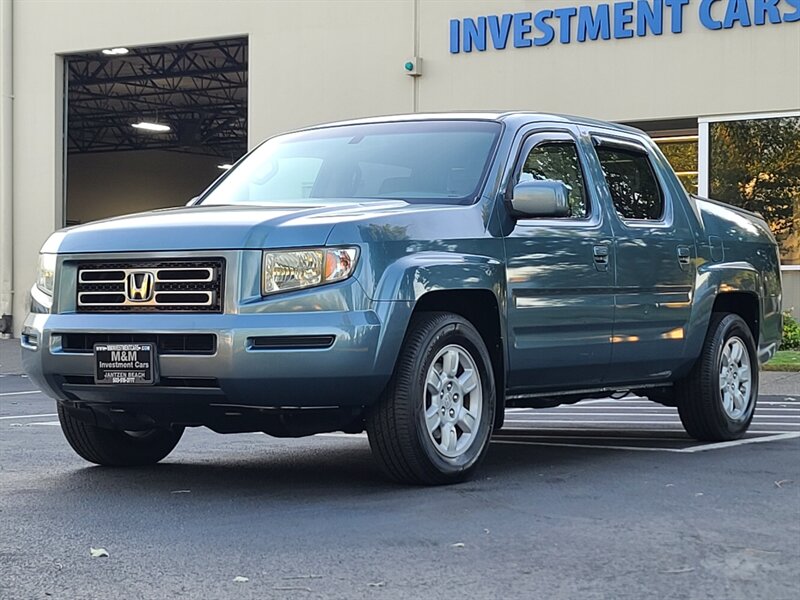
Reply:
x=681, y=152
x=755, y=164
x=559, y=161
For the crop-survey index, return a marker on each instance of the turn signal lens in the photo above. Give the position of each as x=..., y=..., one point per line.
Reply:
x=297, y=269
x=339, y=263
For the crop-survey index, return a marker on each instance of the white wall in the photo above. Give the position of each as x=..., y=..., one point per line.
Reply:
x=317, y=60
x=107, y=184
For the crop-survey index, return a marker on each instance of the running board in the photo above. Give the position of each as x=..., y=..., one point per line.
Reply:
x=549, y=399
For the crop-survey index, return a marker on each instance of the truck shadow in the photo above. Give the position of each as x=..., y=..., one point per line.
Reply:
x=310, y=474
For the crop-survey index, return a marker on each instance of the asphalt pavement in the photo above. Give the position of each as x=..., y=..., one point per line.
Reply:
x=604, y=499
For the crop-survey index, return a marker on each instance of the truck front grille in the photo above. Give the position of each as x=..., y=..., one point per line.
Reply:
x=179, y=285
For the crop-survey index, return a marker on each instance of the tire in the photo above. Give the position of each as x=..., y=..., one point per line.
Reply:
x=443, y=385
x=114, y=447
x=714, y=405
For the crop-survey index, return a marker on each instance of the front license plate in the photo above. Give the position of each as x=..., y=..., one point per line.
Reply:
x=127, y=364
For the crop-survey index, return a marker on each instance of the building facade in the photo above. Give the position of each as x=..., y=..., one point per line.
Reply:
x=717, y=82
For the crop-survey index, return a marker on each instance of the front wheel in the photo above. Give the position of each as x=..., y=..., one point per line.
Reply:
x=117, y=448
x=716, y=402
x=435, y=419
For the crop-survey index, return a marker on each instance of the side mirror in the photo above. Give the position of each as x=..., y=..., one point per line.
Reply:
x=540, y=199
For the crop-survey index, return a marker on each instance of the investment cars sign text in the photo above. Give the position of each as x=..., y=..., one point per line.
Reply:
x=620, y=20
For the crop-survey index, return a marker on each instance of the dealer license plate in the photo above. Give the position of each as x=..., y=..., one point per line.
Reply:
x=127, y=364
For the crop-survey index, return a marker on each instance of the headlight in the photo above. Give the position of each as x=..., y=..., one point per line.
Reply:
x=45, y=275
x=295, y=269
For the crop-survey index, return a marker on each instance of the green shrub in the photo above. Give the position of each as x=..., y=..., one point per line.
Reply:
x=791, y=333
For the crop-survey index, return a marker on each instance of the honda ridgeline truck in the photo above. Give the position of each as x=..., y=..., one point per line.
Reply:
x=413, y=277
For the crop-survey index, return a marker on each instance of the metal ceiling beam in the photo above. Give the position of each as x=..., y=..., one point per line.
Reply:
x=196, y=87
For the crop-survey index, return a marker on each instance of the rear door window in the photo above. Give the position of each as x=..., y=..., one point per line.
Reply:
x=632, y=183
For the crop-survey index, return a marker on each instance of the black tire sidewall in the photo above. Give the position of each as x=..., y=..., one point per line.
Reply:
x=463, y=334
x=730, y=326
x=114, y=447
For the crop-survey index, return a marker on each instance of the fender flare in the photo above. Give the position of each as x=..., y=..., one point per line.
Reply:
x=410, y=278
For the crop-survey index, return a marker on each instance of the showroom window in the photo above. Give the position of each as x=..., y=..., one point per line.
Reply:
x=681, y=152
x=754, y=162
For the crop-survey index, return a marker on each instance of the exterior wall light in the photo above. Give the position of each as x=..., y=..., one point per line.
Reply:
x=413, y=66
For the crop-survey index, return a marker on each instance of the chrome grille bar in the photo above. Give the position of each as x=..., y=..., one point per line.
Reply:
x=173, y=285
x=196, y=275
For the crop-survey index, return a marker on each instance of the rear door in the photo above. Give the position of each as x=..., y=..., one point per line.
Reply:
x=655, y=261
x=560, y=275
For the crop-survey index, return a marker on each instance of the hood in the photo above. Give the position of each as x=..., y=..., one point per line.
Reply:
x=216, y=227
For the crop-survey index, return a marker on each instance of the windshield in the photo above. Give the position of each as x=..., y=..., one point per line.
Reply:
x=430, y=161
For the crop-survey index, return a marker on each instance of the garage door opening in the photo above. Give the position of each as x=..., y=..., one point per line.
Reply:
x=151, y=127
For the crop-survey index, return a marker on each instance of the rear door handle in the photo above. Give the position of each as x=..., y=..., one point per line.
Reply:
x=600, y=254
x=684, y=255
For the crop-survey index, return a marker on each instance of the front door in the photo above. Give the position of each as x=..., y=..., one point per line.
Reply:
x=560, y=277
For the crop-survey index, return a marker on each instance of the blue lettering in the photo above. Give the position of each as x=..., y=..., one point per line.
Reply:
x=762, y=8
x=540, y=20
x=706, y=19
x=737, y=11
x=795, y=16
x=651, y=16
x=676, y=6
x=564, y=16
x=521, y=28
x=499, y=29
x=475, y=33
x=622, y=18
x=593, y=25
x=455, y=36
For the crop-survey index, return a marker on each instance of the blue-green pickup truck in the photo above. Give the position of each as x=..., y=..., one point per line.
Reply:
x=413, y=276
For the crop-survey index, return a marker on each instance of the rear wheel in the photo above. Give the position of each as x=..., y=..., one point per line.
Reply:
x=433, y=424
x=716, y=402
x=114, y=447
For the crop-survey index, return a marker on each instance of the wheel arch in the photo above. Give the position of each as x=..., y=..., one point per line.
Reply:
x=743, y=303
x=734, y=287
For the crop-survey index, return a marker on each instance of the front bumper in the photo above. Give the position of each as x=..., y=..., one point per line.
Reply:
x=237, y=373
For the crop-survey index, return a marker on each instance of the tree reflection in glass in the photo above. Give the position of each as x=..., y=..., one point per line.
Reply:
x=755, y=164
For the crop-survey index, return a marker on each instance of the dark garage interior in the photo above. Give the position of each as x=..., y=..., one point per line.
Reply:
x=151, y=127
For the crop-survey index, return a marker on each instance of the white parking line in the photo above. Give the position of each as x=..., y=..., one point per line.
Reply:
x=784, y=406
x=20, y=393
x=758, y=440
x=689, y=450
x=624, y=415
x=572, y=433
x=30, y=416
x=585, y=423
x=589, y=446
